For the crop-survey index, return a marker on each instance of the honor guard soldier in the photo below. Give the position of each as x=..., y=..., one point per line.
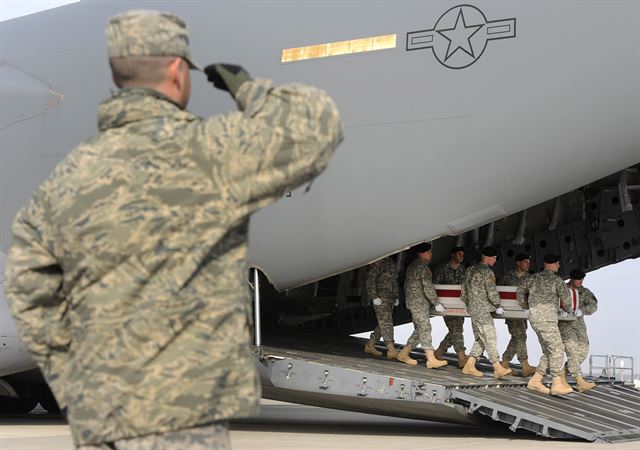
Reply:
x=128, y=275
x=452, y=272
x=419, y=296
x=382, y=288
x=481, y=296
x=517, y=327
x=543, y=294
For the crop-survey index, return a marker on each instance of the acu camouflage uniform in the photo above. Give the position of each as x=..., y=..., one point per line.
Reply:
x=574, y=333
x=419, y=296
x=481, y=296
x=445, y=274
x=517, y=327
x=546, y=292
x=382, y=283
x=128, y=275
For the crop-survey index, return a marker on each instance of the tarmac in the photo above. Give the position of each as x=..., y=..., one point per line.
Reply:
x=288, y=426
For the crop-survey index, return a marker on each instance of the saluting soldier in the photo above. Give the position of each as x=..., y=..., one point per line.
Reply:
x=419, y=296
x=382, y=288
x=128, y=275
x=452, y=272
x=543, y=294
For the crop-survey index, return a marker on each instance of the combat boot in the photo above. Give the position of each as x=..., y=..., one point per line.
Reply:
x=462, y=358
x=535, y=384
x=470, y=368
x=560, y=388
x=404, y=356
x=505, y=363
x=392, y=353
x=439, y=353
x=370, y=347
x=432, y=361
x=527, y=370
x=584, y=385
x=499, y=371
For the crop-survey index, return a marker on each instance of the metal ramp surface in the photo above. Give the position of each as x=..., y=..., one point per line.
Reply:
x=336, y=373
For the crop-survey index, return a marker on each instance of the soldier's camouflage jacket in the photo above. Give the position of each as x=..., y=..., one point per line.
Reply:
x=479, y=290
x=543, y=294
x=418, y=287
x=382, y=281
x=588, y=304
x=511, y=278
x=127, y=275
x=445, y=274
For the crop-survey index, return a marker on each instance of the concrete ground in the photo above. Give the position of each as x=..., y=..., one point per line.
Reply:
x=288, y=426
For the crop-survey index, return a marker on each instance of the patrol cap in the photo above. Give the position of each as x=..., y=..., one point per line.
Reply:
x=577, y=274
x=522, y=256
x=456, y=249
x=148, y=33
x=551, y=258
x=489, y=251
x=422, y=248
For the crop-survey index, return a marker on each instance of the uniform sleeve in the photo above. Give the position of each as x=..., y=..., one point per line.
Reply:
x=34, y=293
x=428, y=289
x=282, y=138
x=588, y=302
x=490, y=288
x=564, y=296
x=372, y=276
x=522, y=294
x=438, y=275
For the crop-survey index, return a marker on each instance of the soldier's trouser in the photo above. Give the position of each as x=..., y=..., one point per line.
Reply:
x=552, y=347
x=572, y=347
x=454, y=336
x=422, y=330
x=486, y=339
x=518, y=342
x=208, y=437
x=384, y=314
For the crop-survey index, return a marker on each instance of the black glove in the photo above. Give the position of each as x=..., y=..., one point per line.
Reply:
x=227, y=77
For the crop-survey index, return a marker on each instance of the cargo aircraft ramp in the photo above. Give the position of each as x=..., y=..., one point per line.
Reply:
x=335, y=373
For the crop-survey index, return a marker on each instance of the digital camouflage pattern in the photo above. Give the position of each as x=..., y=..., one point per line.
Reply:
x=446, y=274
x=481, y=296
x=574, y=333
x=542, y=294
x=207, y=437
x=517, y=327
x=382, y=283
x=419, y=296
x=128, y=274
x=128, y=34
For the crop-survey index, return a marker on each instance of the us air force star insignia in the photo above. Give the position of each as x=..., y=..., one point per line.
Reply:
x=460, y=36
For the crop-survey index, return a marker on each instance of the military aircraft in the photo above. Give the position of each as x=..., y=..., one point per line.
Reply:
x=515, y=124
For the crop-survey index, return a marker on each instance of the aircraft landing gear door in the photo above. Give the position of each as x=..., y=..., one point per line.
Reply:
x=256, y=309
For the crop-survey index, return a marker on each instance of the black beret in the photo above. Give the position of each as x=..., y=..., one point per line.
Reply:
x=489, y=251
x=421, y=248
x=577, y=274
x=550, y=258
x=522, y=256
x=456, y=249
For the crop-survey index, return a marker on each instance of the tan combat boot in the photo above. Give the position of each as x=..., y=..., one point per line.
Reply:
x=439, y=353
x=470, y=368
x=404, y=357
x=499, y=371
x=560, y=388
x=527, y=370
x=392, y=353
x=370, y=347
x=505, y=364
x=583, y=385
x=535, y=384
x=462, y=358
x=433, y=362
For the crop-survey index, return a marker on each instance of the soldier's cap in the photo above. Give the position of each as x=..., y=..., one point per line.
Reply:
x=148, y=33
x=522, y=256
x=456, y=249
x=551, y=258
x=422, y=248
x=489, y=251
x=577, y=274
